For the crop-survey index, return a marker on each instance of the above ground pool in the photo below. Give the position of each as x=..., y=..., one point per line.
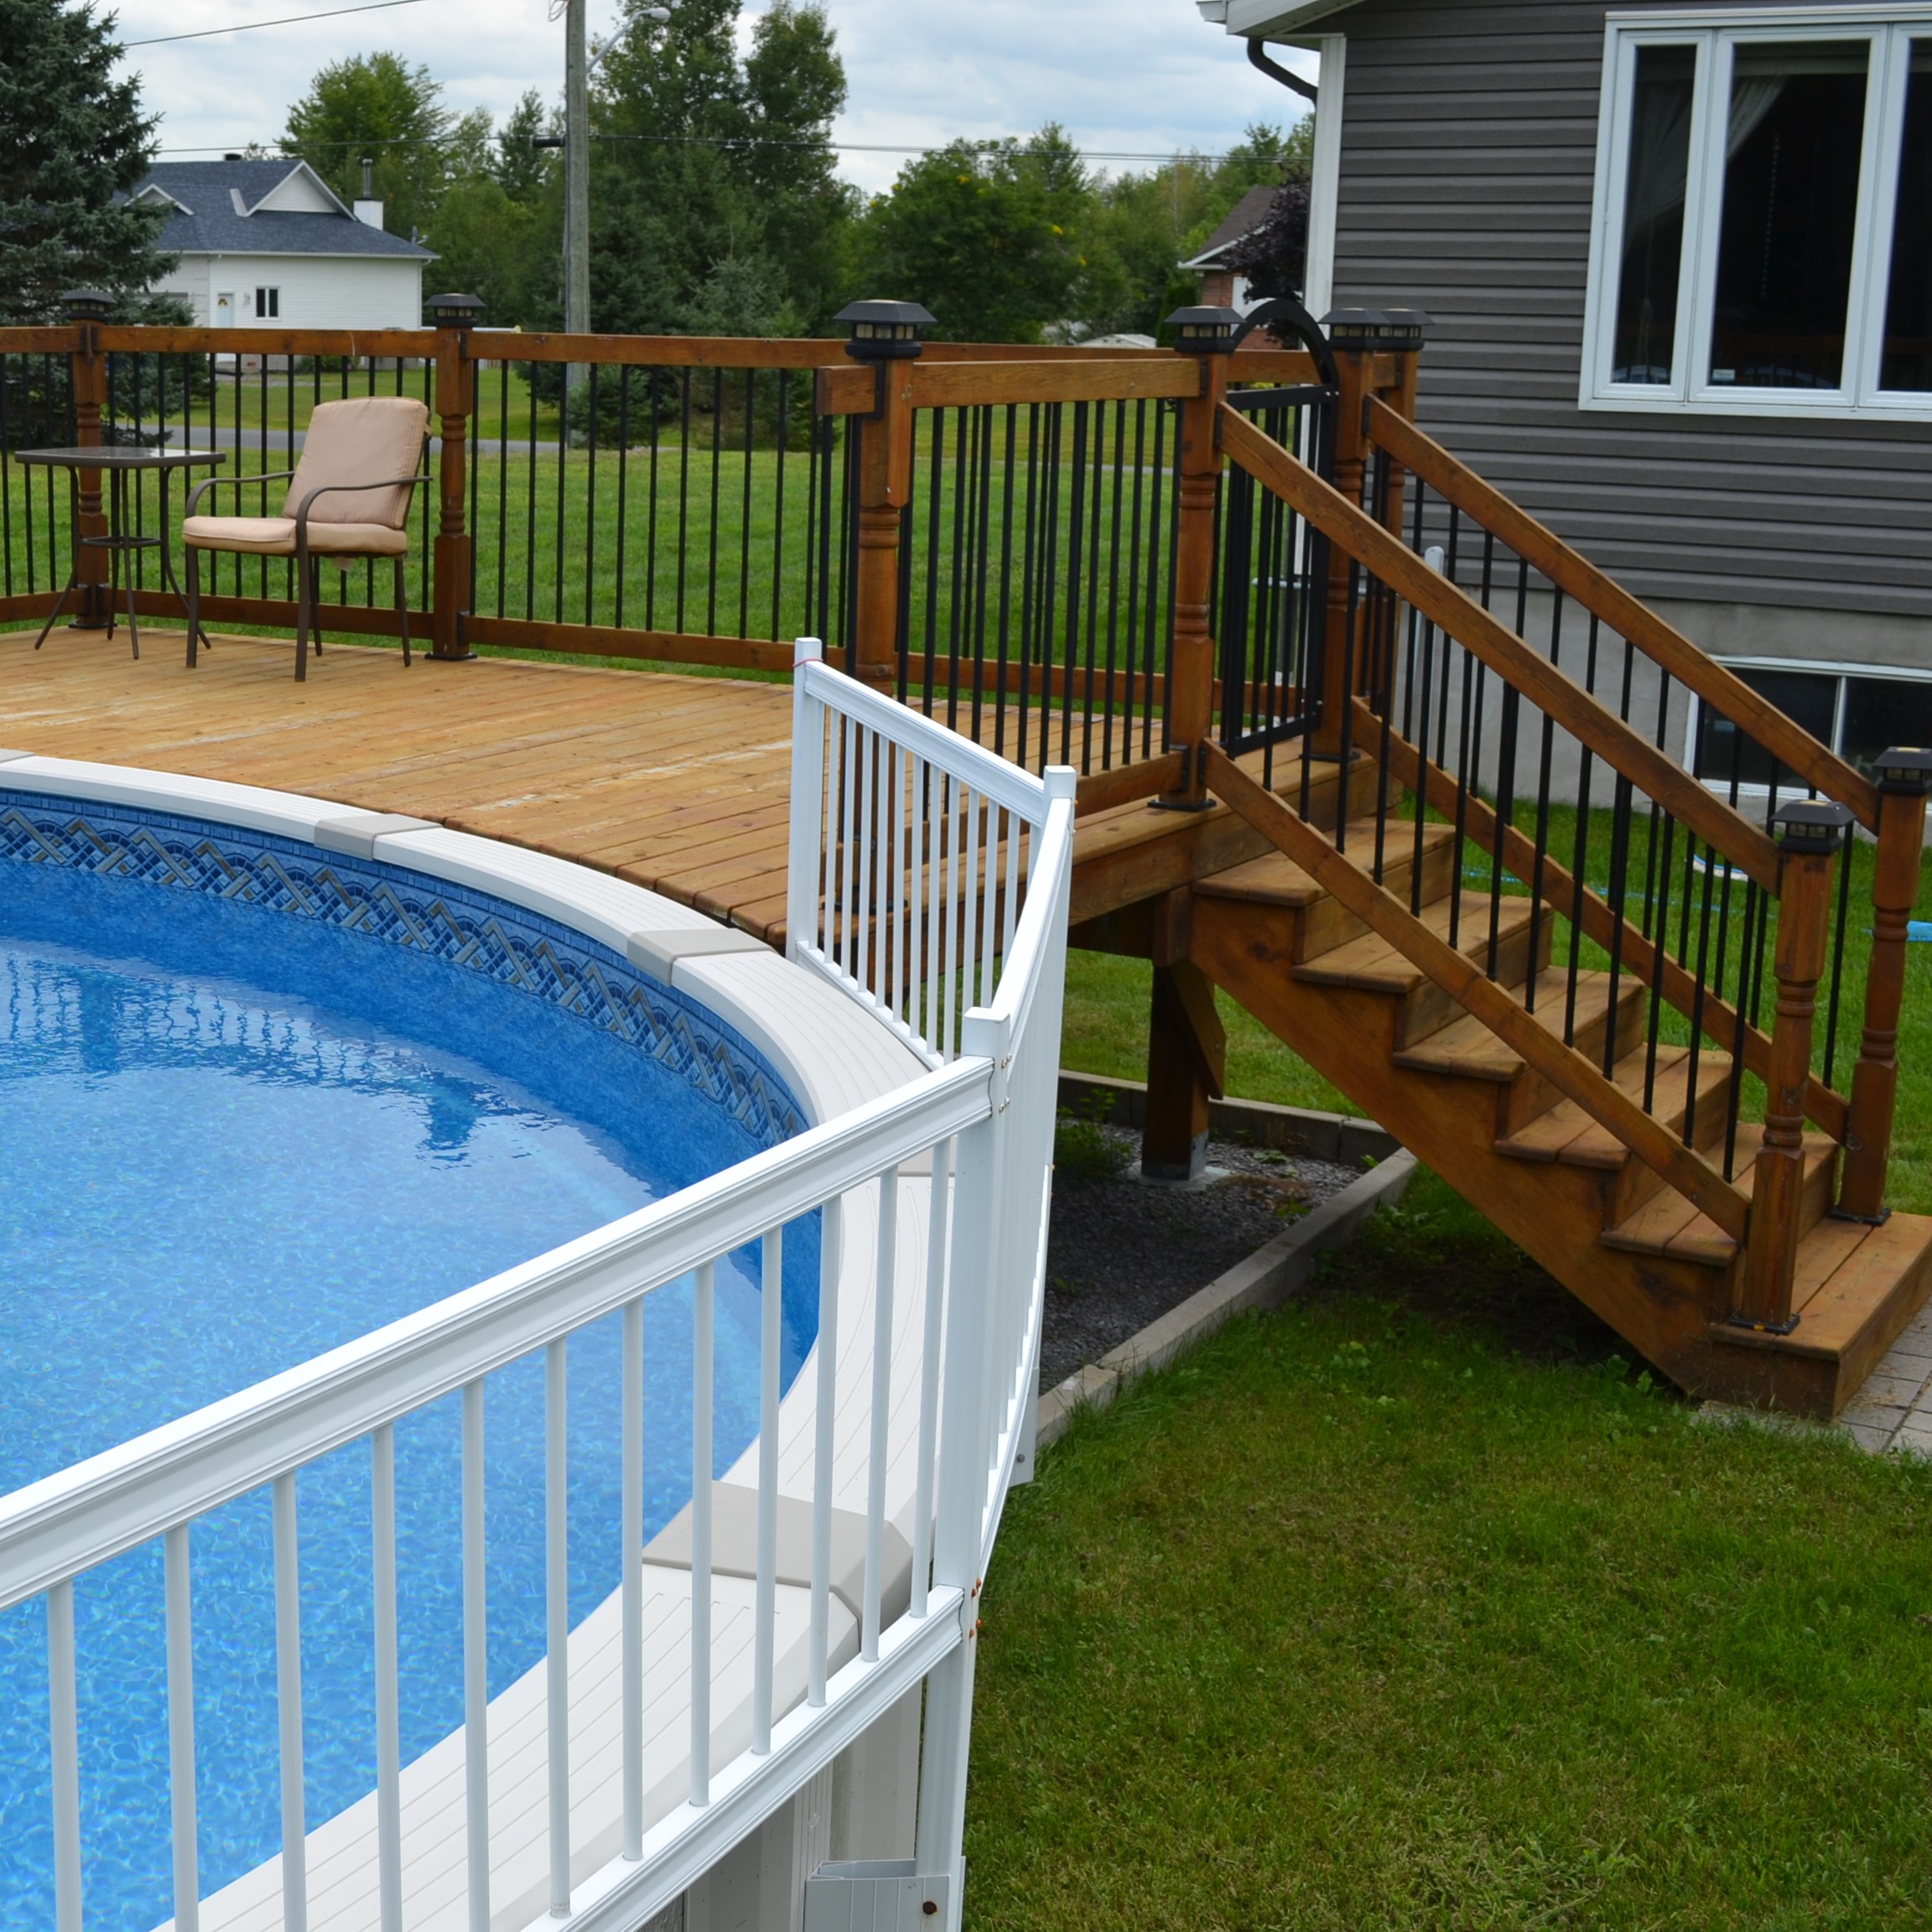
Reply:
x=257, y=1099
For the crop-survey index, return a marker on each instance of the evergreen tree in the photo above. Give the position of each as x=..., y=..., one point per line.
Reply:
x=72, y=137
x=713, y=197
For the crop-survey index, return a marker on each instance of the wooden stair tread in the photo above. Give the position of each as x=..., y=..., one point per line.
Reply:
x=1881, y=1264
x=1275, y=880
x=1669, y=1225
x=1467, y=1048
x=1372, y=964
x=1569, y=1133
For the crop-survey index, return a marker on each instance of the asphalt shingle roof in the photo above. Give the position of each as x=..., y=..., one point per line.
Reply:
x=210, y=225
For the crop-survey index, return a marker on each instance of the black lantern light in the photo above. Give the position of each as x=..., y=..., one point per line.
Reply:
x=1366, y=330
x=87, y=304
x=1204, y=331
x=883, y=331
x=454, y=311
x=1812, y=825
x=1906, y=768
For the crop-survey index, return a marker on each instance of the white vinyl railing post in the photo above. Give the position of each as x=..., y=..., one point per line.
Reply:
x=802, y=876
x=178, y=1609
x=964, y=1470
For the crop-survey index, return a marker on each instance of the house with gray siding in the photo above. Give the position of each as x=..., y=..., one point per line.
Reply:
x=1677, y=260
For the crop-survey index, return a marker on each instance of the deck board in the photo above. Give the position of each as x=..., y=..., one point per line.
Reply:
x=678, y=783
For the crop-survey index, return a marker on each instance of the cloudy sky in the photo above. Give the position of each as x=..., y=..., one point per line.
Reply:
x=1123, y=76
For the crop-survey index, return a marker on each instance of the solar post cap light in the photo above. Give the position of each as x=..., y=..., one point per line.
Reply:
x=87, y=304
x=1203, y=331
x=1905, y=768
x=1374, y=328
x=454, y=311
x=883, y=331
x=1811, y=825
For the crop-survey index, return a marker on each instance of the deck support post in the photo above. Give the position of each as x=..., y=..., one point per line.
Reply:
x=1207, y=334
x=88, y=376
x=1186, y=1050
x=1904, y=772
x=455, y=403
x=1811, y=833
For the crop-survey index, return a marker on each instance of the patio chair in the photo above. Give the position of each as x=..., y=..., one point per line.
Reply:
x=349, y=496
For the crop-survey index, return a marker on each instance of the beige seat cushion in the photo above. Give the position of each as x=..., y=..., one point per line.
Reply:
x=275, y=537
x=360, y=439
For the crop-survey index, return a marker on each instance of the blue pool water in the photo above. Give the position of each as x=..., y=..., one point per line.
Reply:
x=231, y=1139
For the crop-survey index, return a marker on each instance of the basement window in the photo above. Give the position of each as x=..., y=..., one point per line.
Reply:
x=1761, y=236
x=1859, y=713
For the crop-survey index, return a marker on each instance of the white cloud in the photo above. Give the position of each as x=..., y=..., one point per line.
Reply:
x=1139, y=76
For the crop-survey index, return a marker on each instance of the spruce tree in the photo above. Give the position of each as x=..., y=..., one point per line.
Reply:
x=73, y=137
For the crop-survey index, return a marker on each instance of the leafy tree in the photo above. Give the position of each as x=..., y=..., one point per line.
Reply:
x=1275, y=256
x=498, y=228
x=983, y=232
x=376, y=107
x=72, y=137
x=1141, y=227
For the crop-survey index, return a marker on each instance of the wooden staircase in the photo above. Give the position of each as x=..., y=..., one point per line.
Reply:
x=1653, y=1114
x=1543, y=1167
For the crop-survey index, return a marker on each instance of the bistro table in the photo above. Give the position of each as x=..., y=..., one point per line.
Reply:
x=119, y=461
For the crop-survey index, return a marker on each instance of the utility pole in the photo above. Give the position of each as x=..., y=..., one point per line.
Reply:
x=576, y=171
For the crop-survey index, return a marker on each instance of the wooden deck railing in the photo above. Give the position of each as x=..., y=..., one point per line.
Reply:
x=1022, y=540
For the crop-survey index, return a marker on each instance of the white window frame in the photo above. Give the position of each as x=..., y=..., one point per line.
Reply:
x=1714, y=34
x=1810, y=667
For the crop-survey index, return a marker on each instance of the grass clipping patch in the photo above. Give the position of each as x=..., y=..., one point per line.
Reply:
x=1368, y=1616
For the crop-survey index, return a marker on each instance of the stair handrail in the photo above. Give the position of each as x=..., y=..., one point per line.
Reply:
x=1565, y=1069
x=1788, y=742
x=1600, y=920
x=1580, y=711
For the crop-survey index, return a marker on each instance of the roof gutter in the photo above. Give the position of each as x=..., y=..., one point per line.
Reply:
x=1257, y=56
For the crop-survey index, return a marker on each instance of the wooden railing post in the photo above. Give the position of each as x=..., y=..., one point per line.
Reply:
x=1365, y=341
x=1207, y=334
x=454, y=316
x=1903, y=774
x=886, y=336
x=86, y=308
x=1810, y=834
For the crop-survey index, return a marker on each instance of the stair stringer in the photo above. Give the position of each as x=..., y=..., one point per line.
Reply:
x=1663, y=1307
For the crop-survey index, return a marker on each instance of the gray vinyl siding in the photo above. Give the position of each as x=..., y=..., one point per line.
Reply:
x=1468, y=150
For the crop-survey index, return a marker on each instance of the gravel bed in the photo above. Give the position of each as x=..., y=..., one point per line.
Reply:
x=1122, y=1251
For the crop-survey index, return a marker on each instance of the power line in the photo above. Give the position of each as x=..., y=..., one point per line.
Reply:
x=731, y=140
x=247, y=26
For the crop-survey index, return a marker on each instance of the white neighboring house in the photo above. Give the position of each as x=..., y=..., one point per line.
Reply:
x=265, y=243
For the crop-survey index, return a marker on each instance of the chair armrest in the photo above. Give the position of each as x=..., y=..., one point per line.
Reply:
x=407, y=482
x=208, y=483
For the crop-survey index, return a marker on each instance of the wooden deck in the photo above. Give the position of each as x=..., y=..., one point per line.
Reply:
x=677, y=783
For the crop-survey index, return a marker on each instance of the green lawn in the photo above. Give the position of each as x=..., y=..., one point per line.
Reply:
x=1409, y=1607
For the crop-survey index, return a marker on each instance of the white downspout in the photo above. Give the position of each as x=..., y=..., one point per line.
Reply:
x=1324, y=182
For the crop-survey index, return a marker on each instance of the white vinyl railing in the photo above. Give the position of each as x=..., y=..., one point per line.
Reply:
x=937, y=841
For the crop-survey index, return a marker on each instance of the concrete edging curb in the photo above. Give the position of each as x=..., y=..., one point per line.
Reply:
x=1338, y=1137
x=1267, y=1278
